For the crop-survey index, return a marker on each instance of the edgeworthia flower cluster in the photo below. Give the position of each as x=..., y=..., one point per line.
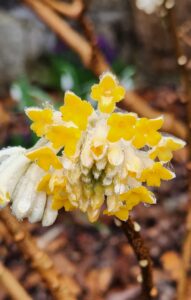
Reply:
x=95, y=161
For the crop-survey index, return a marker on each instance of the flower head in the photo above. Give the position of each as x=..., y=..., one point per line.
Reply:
x=86, y=159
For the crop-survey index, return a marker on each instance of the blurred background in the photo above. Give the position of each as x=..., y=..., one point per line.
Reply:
x=147, y=43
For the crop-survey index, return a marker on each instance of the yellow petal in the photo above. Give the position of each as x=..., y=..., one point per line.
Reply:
x=43, y=185
x=165, y=154
x=108, y=81
x=96, y=92
x=139, y=141
x=118, y=93
x=175, y=143
x=153, y=181
x=122, y=214
x=166, y=174
x=156, y=123
x=57, y=203
x=154, y=153
x=45, y=158
x=153, y=138
x=106, y=105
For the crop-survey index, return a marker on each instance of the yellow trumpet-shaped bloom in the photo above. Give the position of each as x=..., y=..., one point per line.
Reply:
x=137, y=195
x=57, y=187
x=45, y=158
x=121, y=126
x=164, y=150
x=107, y=93
x=132, y=198
x=153, y=175
x=42, y=119
x=146, y=132
x=75, y=110
x=62, y=136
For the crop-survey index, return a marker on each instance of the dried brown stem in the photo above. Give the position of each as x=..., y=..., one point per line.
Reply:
x=94, y=60
x=143, y=257
x=71, y=10
x=12, y=285
x=186, y=85
x=73, y=39
x=61, y=287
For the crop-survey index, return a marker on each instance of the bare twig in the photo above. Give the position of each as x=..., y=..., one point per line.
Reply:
x=186, y=85
x=61, y=287
x=98, y=65
x=12, y=285
x=71, y=10
x=143, y=257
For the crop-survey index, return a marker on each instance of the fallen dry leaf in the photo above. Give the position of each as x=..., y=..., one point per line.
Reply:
x=102, y=277
x=171, y=262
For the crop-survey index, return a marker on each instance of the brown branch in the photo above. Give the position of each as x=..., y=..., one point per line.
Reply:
x=73, y=39
x=171, y=125
x=12, y=285
x=71, y=10
x=142, y=253
x=98, y=65
x=61, y=287
x=186, y=85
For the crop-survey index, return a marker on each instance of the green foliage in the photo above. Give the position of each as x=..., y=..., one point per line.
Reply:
x=28, y=95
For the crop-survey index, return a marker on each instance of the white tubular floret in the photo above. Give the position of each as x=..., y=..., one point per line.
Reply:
x=6, y=152
x=25, y=194
x=115, y=154
x=50, y=214
x=38, y=207
x=11, y=171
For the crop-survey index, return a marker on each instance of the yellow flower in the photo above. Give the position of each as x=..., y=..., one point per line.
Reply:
x=62, y=136
x=137, y=195
x=76, y=110
x=146, y=132
x=42, y=119
x=164, y=150
x=130, y=199
x=59, y=202
x=58, y=189
x=45, y=158
x=107, y=93
x=153, y=175
x=121, y=126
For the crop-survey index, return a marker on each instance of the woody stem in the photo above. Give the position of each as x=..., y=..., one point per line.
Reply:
x=142, y=253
